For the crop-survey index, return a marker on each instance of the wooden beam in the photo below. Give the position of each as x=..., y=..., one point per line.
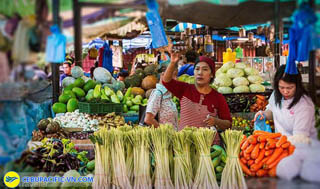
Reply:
x=77, y=32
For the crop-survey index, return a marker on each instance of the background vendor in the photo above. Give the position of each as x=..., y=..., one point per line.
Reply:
x=290, y=107
x=201, y=105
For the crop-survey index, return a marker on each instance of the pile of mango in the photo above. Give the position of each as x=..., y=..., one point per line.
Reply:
x=219, y=158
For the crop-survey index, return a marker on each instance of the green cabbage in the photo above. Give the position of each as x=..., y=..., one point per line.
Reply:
x=67, y=81
x=238, y=81
x=225, y=90
x=257, y=88
x=255, y=79
x=241, y=89
x=235, y=72
x=222, y=81
x=76, y=72
x=219, y=72
x=241, y=65
x=251, y=71
x=102, y=75
x=225, y=67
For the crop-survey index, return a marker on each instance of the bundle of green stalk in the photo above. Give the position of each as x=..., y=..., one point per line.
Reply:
x=141, y=152
x=128, y=150
x=182, y=159
x=120, y=177
x=232, y=175
x=205, y=176
x=102, y=177
x=161, y=143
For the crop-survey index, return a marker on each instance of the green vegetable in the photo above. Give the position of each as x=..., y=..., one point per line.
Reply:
x=59, y=107
x=138, y=97
x=108, y=91
x=96, y=91
x=70, y=87
x=227, y=66
x=136, y=101
x=218, y=176
x=64, y=98
x=257, y=88
x=222, y=81
x=216, y=161
x=89, y=85
x=128, y=92
x=225, y=90
x=134, y=108
x=125, y=108
x=115, y=99
x=235, y=72
x=79, y=92
x=79, y=82
x=104, y=97
x=219, y=169
x=69, y=92
x=120, y=95
x=129, y=103
x=90, y=165
x=72, y=105
x=241, y=89
x=216, y=153
x=238, y=81
x=89, y=96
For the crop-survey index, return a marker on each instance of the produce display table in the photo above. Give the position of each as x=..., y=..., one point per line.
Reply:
x=275, y=183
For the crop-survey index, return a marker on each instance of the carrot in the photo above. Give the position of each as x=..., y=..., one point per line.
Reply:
x=283, y=155
x=250, y=162
x=263, y=138
x=271, y=143
x=265, y=159
x=277, y=152
x=241, y=154
x=252, y=139
x=260, y=156
x=281, y=141
x=250, y=148
x=245, y=145
x=245, y=169
x=262, y=172
x=261, y=97
x=246, y=156
x=285, y=145
x=256, y=166
x=243, y=160
x=273, y=172
x=274, y=135
x=243, y=140
x=258, y=132
x=268, y=152
x=255, y=152
x=291, y=149
x=262, y=145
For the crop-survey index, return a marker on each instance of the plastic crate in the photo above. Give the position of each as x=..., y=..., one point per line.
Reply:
x=99, y=108
x=131, y=117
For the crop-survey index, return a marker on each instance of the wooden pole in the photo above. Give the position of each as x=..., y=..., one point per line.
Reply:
x=77, y=32
x=276, y=27
x=55, y=65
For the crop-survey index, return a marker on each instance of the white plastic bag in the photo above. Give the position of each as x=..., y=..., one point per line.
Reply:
x=289, y=167
x=310, y=170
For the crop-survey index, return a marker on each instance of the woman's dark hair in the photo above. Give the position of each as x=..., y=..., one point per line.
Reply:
x=288, y=78
x=191, y=56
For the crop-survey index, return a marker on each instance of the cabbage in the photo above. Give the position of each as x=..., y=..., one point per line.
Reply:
x=241, y=65
x=238, y=81
x=102, y=75
x=251, y=71
x=235, y=72
x=241, y=89
x=222, y=81
x=76, y=72
x=225, y=90
x=225, y=67
x=257, y=88
x=219, y=72
x=67, y=81
x=255, y=79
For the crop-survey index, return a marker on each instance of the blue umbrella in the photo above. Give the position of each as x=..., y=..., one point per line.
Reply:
x=183, y=26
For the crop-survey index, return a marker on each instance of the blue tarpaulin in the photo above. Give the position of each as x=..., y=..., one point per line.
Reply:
x=184, y=25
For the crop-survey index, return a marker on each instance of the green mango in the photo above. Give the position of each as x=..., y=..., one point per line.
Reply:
x=136, y=101
x=72, y=105
x=79, y=92
x=129, y=103
x=89, y=96
x=59, y=107
x=125, y=108
x=115, y=99
x=70, y=87
x=128, y=92
x=63, y=98
x=89, y=85
x=79, y=82
x=145, y=101
x=69, y=92
x=96, y=91
x=139, y=97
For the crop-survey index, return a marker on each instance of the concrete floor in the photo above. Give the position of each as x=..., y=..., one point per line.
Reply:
x=274, y=183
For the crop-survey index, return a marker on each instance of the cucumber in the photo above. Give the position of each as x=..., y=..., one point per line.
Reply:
x=218, y=176
x=217, y=147
x=219, y=169
x=216, y=153
x=222, y=164
x=223, y=158
x=216, y=161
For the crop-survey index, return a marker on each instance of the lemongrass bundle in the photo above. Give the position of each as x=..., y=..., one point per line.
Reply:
x=205, y=176
x=120, y=177
x=232, y=175
x=141, y=153
x=182, y=160
x=102, y=177
x=161, y=142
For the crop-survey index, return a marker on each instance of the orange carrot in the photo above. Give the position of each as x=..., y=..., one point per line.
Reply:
x=252, y=139
x=241, y=154
x=243, y=140
x=262, y=172
x=255, y=152
x=262, y=145
x=285, y=145
x=281, y=141
x=277, y=152
x=262, y=138
x=271, y=143
x=256, y=166
x=260, y=156
x=274, y=135
x=273, y=172
x=291, y=149
x=245, y=145
x=250, y=148
x=246, y=156
x=258, y=132
x=245, y=169
x=243, y=160
x=268, y=152
x=265, y=159
x=250, y=162
x=283, y=155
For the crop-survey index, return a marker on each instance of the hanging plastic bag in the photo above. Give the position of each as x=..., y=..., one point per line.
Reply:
x=56, y=46
x=158, y=35
x=261, y=125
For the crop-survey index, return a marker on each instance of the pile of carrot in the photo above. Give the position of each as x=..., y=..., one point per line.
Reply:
x=261, y=152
